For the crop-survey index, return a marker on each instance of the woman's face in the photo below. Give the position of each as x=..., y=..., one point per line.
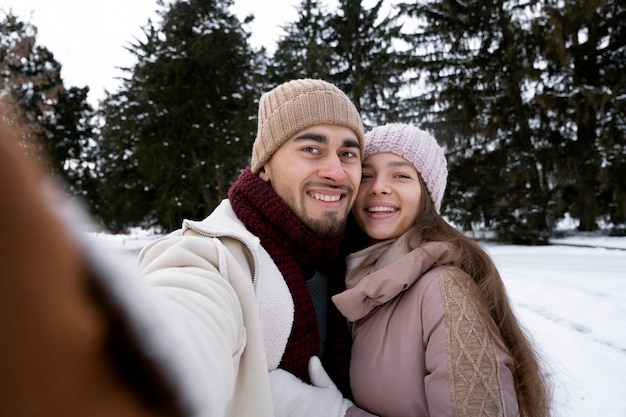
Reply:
x=387, y=203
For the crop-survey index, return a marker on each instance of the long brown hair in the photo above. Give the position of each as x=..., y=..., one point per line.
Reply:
x=533, y=394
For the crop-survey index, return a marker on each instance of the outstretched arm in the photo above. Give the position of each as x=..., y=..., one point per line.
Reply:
x=64, y=351
x=82, y=334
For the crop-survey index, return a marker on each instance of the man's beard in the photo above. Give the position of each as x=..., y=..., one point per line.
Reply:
x=327, y=227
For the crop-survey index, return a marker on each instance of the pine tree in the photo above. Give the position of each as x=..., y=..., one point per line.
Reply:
x=368, y=62
x=303, y=51
x=351, y=47
x=478, y=69
x=180, y=129
x=527, y=97
x=581, y=100
x=56, y=120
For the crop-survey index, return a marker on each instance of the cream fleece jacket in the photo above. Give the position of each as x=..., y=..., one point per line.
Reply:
x=229, y=305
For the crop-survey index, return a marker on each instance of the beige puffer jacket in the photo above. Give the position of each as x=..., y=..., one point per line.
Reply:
x=421, y=346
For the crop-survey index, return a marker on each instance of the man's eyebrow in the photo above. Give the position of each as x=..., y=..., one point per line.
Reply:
x=347, y=143
x=312, y=136
x=351, y=143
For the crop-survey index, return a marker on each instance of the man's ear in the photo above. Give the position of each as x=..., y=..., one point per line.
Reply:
x=263, y=174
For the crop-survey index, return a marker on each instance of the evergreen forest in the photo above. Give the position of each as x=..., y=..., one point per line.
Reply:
x=527, y=97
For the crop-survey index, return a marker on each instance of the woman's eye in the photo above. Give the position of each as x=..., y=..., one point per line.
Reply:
x=403, y=176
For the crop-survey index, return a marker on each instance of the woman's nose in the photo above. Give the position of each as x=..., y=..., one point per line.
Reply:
x=380, y=187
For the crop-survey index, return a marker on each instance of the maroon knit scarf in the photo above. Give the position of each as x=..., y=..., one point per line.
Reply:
x=293, y=246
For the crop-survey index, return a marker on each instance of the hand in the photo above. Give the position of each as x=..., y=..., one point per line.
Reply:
x=294, y=398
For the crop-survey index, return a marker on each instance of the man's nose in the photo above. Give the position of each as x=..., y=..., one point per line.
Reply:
x=332, y=169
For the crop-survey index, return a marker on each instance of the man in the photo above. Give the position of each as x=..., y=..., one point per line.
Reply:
x=231, y=299
x=251, y=279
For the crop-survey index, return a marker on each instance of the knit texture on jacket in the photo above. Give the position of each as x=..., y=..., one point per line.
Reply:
x=293, y=247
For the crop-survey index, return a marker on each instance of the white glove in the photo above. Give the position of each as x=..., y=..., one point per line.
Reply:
x=295, y=398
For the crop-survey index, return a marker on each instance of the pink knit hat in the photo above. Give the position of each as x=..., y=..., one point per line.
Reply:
x=417, y=147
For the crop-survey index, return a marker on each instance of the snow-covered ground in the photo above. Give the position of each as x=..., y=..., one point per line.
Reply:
x=572, y=300
x=570, y=296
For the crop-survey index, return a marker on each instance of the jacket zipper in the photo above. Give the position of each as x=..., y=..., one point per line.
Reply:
x=234, y=236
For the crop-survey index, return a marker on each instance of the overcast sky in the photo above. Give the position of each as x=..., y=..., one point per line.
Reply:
x=88, y=37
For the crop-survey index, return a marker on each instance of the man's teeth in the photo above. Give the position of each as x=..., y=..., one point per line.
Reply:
x=379, y=209
x=325, y=197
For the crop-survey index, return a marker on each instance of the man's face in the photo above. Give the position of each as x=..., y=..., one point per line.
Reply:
x=317, y=173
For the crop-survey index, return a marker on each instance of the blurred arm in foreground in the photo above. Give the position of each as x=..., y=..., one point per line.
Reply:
x=68, y=348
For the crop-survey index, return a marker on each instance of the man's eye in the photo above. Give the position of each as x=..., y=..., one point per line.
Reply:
x=349, y=154
x=310, y=149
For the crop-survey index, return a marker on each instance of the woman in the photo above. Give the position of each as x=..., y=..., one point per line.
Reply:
x=433, y=331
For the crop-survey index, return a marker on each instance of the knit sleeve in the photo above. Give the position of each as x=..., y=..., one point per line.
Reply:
x=467, y=369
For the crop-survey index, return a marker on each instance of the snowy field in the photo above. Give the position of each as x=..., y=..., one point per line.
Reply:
x=570, y=296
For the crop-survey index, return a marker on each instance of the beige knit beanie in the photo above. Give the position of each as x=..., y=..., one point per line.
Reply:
x=416, y=146
x=296, y=105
